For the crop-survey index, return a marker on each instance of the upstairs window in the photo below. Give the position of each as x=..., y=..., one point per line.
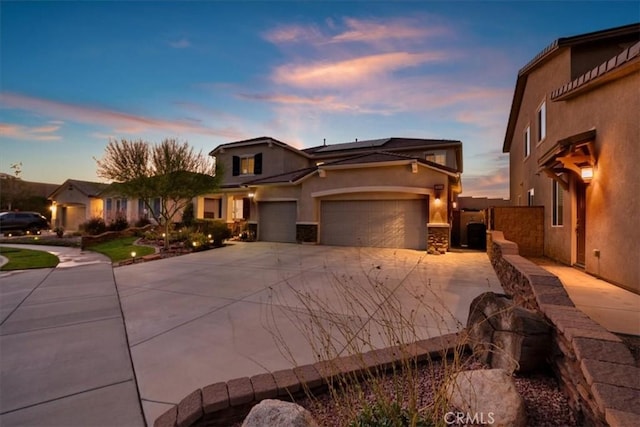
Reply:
x=439, y=157
x=247, y=165
x=542, y=122
x=527, y=142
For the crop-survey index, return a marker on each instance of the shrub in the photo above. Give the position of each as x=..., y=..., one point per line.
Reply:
x=118, y=224
x=198, y=241
x=188, y=216
x=93, y=226
x=217, y=229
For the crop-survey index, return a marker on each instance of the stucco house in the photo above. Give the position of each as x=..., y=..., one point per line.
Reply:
x=573, y=142
x=76, y=201
x=392, y=192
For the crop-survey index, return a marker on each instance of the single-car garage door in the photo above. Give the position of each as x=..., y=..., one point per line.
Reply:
x=277, y=221
x=375, y=223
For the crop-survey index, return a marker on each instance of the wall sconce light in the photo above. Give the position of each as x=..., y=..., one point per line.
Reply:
x=437, y=189
x=252, y=195
x=586, y=173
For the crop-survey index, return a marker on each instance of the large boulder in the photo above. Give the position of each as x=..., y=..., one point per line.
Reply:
x=276, y=413
x=486, y=396
x=506, y=336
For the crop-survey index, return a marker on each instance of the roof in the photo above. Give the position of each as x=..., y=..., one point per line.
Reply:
x=544, y=56
x=358, y=159
x=255, y=141
x=88, y=188
x=395, y=143
x=625, y=62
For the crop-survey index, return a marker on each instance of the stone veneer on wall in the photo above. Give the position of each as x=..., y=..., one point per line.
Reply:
x=437, y=238
x=595, y=367
x=307, y=233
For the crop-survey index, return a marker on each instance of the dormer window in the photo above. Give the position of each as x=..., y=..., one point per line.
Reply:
x=250, y=164
x=439, y=157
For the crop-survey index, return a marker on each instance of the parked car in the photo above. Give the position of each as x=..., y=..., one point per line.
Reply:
x=31, y=222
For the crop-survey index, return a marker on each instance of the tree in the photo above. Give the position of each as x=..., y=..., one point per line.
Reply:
x=171, y=171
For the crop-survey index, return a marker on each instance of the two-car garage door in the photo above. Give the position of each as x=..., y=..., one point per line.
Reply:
x=375, y=223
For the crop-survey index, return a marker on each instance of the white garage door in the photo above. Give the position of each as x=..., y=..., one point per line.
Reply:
x=277, y=221
x=375, y=223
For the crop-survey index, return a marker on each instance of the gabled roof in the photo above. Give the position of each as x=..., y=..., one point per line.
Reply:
x=255, y=141
x=88, y=188
x=622, y=64
x=377, y=157
x=544, y=56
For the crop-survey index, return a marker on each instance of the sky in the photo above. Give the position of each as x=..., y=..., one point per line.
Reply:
x=74, y=75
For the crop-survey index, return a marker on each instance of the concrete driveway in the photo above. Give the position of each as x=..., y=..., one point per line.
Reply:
x=214, y=316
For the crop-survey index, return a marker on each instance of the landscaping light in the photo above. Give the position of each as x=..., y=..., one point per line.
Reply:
x=209, y=236
x=194, y=244
x=133, y=254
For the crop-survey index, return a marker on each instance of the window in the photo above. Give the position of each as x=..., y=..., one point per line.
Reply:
x=527, y=142
x=542, y=122
x=557, y=204
x=530, y=194
x=247, y=164
x=439, y=157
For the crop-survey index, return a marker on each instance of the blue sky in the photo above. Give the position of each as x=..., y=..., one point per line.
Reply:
x=74, y=74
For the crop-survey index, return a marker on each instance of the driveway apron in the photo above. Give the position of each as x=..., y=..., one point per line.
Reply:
x=241, y=310
x=64, y=356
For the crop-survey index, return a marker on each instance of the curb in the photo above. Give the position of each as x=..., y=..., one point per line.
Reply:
x=224, y=403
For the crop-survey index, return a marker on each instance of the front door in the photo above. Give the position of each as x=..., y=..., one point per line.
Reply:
x=581, y=216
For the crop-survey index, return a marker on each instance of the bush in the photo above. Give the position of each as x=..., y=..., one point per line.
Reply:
x=198, y=241
x=218, y=230
x=118, y=224
x=188, y=216
x=94, y=226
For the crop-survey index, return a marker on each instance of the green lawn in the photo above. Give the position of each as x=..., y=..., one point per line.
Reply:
x=22, y=259
x=120, y=249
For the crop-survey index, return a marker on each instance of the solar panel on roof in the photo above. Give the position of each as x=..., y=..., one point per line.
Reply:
x=355, y=144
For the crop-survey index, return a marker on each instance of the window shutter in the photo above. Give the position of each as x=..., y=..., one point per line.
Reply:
x=246, y=208
x=236, y=165
x=257, y=165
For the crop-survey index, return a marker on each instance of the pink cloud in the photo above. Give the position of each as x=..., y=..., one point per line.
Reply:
x=38, y=133
x=182, y=43
x=293, y=34
x=373, y=31
x=352, y=71
x=120, y=122
x=493, y=184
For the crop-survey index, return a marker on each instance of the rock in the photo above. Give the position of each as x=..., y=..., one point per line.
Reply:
x=507, y=336
x=276, y=413
x=487, y=396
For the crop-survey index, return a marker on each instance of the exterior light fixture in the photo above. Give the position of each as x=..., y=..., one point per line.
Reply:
x=586, y=173
x=251, y=195
x=133, y=255
x=437, y=189
x=194, y=244
x=209, y=236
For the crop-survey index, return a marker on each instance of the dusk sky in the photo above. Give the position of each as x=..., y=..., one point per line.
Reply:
x=75, y=74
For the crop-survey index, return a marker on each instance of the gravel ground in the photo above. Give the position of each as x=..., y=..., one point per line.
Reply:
x=546, y=405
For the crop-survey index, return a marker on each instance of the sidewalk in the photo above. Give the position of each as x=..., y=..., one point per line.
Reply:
x=63, y=349
x=614, y=308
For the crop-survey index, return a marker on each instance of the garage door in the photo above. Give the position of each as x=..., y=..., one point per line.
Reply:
x=375, y=223
x=277, y=221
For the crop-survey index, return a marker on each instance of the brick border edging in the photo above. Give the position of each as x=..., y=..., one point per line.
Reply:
x=596, y=368
x=232, y=400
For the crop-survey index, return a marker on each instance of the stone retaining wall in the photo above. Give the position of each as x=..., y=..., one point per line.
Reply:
x=596, y=368
x=225, y=403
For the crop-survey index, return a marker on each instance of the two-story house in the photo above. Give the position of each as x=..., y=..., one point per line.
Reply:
x=573, y=141
x=392, y=192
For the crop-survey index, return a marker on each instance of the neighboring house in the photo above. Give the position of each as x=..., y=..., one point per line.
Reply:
x=16, y=193
x=573, y=139
x=392, y=192
x=74, y=202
